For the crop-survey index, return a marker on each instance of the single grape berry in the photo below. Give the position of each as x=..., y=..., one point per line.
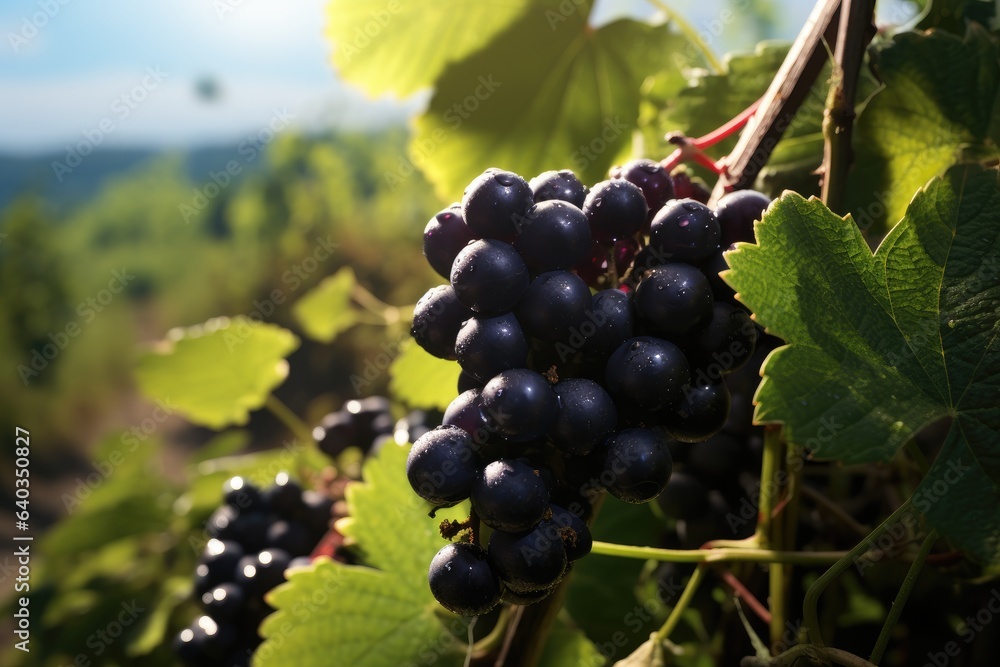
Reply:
x=290, y=536
x=574, y=532
x=489, y=277
x=487, y=346
x=510, y=495
x=674, y=299
x=224, y=602
x=521, y=403
x=650, y=177
x=466, y=412
x=467, y=381
x=609, y=323
x=737, y=212
x=616, y=209
x=649, y=372
x=217, y=564
x=494, y=204
x=553, y=306
x=437, y=319
x=461, y=579
x=724, y=343
x=587, y=416
x=553, y=235
x=258, y=573
x=444, y=237
x=701, y=413
x=244, y=496
x=638, y=463
x=530, y=597
x=685, y=231
x=530, y=560
x=443, y=465
x=562, y=185
x=285, y=495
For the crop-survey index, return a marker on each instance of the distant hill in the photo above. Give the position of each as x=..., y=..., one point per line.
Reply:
x=22, y=174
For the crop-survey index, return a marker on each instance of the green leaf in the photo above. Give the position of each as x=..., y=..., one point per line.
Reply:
x=882, y=345
x=403, y=45
x=550, y=92
x=153, y=625
x=940, y=107
x=216, y=373
x=325, y=311
x=421, y=380
x=335, y=614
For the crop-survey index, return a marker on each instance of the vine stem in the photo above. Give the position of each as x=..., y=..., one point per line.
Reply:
x=882, y=643
x=726, y=555
x=693, y=35
x=682, y=603
x=815, y=654
x=856, y=30
x=809, y=606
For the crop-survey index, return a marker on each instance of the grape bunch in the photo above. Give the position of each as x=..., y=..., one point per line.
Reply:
x=593, y=334
x=367, y=424
x=254, y=537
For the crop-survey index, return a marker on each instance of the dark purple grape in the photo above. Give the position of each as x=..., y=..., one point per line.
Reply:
x=530, y=560
x=638, y=464
x=494, y=204
x=204, y=642
x=554, y=305
x=737, y=212
x=291, y=537
x=224, y=602
x=712, y=267
x=461, y=580
x=553, y=235
x=487, y=346
x=562, y=185
x=217, y=564
x=317, y=513
x=443, y=465
x=685, y=231
x=674, y=299
x=701, y=413
x=284, y=496
x=489, y=277
x=258, y=573
x=573, y=530
x=444, y=237
x=649, y=372
x=587, y=416
x=467, y=382
x=524, y=599
x=466, y=412
x=244, y=496
x=611, y=322
x=723, y=344
x=616, y=209
x=652, y=179
x=521, y=403
x=437, y=319
x=510, y=495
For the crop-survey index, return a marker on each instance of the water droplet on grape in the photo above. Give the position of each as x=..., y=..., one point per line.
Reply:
x=505, y=179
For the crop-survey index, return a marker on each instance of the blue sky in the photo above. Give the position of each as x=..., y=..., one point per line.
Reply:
x=89, y=67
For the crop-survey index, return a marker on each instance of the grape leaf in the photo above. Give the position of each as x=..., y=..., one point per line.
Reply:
x=334, y=614
x=569, y=647
x=940, y=107
x=421, y=380
x=881, y=345
x=325, y=311
x=401, y=46
x=217, y=372
x=549, y=92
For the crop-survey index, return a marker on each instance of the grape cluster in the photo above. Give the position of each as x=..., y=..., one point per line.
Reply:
x=254, y=537
x=367, y=424
x=593, y=334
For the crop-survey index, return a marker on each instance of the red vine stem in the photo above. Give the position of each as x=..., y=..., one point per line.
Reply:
x=743, y=593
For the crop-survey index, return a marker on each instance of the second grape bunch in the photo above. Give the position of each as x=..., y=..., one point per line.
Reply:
x=594, y=334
